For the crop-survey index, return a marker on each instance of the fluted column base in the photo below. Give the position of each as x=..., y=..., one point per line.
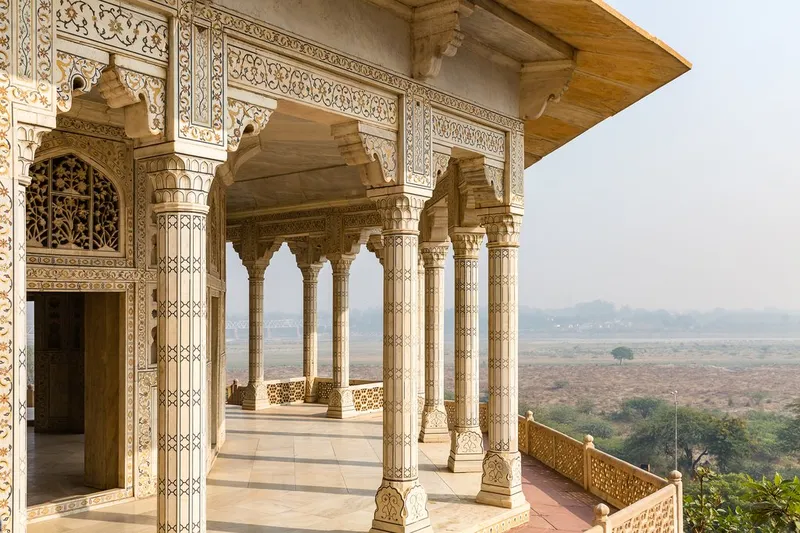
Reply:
x=466, y=450
x=434, y=425
x=501, y=484
x=340, y=404
x=311, y=390
x=402, y=507
x=255, y=397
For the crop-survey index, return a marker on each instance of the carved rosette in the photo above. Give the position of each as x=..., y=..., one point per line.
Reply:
x=434, y=416
x=245, y=118
x=74, y=75
x=466, y=441
x=373, y=149
x=143, y=97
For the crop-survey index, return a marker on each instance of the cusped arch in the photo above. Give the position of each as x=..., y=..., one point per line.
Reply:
x=75, y=204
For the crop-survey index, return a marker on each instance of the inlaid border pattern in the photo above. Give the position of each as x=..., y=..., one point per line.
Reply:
x=119, y=27
x=251, y=68
x=462, y=133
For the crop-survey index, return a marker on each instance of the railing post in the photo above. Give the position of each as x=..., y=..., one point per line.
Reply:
x=675, y=478
x=528, y=430
x=601, y=512
x=588, y=444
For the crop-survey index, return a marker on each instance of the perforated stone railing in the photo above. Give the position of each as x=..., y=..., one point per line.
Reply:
x=368, y=397
x=647, y=503
x=450, y=409
x=279, y=391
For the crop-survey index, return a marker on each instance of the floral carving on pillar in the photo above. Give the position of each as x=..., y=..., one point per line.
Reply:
x=501, y=482
x=401, y=502
x=466, y=439
x=434, y=416
x=181, y=185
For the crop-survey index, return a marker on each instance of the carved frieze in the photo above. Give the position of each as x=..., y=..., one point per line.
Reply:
x=457, y=132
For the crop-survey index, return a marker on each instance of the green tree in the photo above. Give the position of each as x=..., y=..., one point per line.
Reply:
x=644, y=406
x=702, y=437
x=622, y=353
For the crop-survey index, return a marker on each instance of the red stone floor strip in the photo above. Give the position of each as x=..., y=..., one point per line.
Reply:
x=557, y=504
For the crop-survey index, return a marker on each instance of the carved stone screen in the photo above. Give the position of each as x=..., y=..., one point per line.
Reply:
x=73, y=206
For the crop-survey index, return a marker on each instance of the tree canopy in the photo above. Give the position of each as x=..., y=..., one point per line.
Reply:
x=622, y=353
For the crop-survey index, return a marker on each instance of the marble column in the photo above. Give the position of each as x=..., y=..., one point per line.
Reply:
x=501, y=483
x=434, y=416
x=401, y=502
x=341, y=404
x=181, y=184
x=310, y=276
x=254, y=396
x=421, y=328
x=466, y=439
x=16, y=157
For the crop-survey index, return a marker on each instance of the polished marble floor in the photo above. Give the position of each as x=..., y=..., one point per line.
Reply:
x=290, y=469
x=55, y=467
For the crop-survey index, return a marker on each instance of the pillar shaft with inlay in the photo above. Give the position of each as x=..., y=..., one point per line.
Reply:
x=466, y=439
x=310, y=277
x=181, y=184
x=434, y=416
x=254, y=396
x=401, y=502
x=341, y=404
x=501, y=483
x=421, y=327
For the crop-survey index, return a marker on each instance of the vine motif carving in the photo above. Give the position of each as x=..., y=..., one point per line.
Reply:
x=74, y=73
x=241, y=116
x=259, y=69
x=123, y=28
x=72, y=205
x=468, y=135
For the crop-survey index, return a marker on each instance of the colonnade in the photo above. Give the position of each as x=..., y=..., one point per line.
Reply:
x=413, y=362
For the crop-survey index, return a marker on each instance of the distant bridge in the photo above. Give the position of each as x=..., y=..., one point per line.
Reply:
x=238, y=328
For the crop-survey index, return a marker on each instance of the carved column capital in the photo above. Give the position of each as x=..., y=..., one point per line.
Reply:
x=467, y=244
x=400, y=212
x=254, y=252
x=310, y=272
x=181, y=179
x=502, y=229
x=340, y=263
x=373, y=149
x=433, y=254
x=437, y=34
x=28, y=138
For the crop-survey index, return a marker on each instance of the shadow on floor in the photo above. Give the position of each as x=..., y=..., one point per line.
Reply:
x=287, y=434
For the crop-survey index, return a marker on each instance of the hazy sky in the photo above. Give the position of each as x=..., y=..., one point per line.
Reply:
x=686, y=200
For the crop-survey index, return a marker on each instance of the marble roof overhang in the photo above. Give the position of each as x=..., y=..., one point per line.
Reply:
x=617, y=64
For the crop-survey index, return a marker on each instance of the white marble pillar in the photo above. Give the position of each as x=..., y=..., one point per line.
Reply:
x=254, y=396
x=466, y=439
x=16, y=157
x=341, y=404
x=434, y=416
x=310, y=276
x=421, y=327
x=181, y=184
x=401, y=502
x=501, y=483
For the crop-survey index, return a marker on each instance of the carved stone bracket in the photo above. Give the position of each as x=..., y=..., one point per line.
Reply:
x=74, y=76
x=375, y=149
x=29, y=138
x=247, y=114
x=307, y=251
x=484, y=177
x=542, y=83
x=254, y=251
x=437, y=34
x=143, y=97
x=375, y=245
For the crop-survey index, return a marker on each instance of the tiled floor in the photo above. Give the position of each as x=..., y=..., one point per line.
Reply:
x=55, y=467
x=290, y=469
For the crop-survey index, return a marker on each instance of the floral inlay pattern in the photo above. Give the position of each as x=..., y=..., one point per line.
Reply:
x=71, y=205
